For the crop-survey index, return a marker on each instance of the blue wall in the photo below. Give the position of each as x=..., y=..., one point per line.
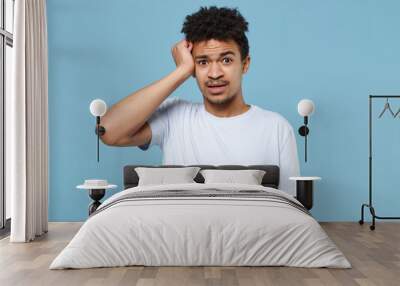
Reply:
x=333, y=52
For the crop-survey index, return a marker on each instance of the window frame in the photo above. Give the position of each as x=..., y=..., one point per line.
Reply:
x=6, y=39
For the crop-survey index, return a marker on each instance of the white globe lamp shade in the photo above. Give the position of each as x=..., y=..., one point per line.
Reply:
x=98, y=107
x=305, y=107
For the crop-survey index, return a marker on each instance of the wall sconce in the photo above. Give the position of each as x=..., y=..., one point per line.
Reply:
x=305, y=108
x=98, y=108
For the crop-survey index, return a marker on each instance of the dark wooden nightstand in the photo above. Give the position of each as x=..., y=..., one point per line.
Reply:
x=304, y=190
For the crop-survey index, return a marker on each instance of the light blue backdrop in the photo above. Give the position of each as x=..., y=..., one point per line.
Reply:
x=333, y=52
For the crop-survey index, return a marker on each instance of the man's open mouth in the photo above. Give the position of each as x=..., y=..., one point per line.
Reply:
x=216, y=88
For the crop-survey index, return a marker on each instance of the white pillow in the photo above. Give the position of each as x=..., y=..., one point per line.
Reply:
x=249, y=177
x=162, y=176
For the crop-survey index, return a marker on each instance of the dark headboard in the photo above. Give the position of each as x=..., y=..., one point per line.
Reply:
x=270, y=179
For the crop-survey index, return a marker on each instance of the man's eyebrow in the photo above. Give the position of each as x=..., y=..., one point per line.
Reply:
x=220, y=55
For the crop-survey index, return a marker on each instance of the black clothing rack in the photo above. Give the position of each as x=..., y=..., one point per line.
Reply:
x=369, y=205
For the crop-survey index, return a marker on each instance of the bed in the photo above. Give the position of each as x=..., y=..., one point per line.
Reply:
x=201, y=224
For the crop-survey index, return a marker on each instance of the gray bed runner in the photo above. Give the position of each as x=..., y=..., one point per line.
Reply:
x=206, y=194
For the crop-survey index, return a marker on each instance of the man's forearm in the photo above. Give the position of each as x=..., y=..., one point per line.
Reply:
x=128, y=115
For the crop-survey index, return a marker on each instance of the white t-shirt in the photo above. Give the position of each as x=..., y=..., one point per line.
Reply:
x=189, y=135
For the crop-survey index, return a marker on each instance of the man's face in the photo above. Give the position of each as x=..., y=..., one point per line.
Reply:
x=219, y=69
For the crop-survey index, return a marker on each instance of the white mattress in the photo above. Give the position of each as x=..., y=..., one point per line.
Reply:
x=200, y=231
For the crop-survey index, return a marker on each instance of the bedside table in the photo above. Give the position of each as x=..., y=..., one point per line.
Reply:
x=97, y=190
x=304, y=190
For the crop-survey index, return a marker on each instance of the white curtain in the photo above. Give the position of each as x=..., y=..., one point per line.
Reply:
x=27, y=123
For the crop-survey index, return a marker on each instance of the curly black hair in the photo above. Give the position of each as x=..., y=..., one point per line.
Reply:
x=220, y=24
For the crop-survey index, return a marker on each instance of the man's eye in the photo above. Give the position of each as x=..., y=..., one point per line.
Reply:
x=202, y=62
x=227, y=60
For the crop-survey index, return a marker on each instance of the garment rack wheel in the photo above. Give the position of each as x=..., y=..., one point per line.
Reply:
x=372, y=211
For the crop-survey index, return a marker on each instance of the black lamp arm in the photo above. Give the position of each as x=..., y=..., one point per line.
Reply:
x=303, y=131
x=99, y=129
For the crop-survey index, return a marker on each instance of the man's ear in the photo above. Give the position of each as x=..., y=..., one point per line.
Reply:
x=246, y=64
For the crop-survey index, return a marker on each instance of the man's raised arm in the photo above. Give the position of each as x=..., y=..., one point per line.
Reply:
x=127, y=116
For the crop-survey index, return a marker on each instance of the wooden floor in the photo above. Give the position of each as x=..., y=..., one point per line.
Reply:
x=374, y=255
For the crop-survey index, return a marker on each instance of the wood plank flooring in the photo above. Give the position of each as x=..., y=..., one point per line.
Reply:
x=374, y=255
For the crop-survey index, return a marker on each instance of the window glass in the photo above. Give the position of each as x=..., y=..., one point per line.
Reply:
x=1, y=14
x=9, y=9
x=8, y=87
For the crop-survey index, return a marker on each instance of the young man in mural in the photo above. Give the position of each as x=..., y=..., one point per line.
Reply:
x=223, y=129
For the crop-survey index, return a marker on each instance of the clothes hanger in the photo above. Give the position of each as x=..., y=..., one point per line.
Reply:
x=387, y=107
x=398, y=111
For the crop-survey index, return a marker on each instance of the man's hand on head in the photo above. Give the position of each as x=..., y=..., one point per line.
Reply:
x=182, y=54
